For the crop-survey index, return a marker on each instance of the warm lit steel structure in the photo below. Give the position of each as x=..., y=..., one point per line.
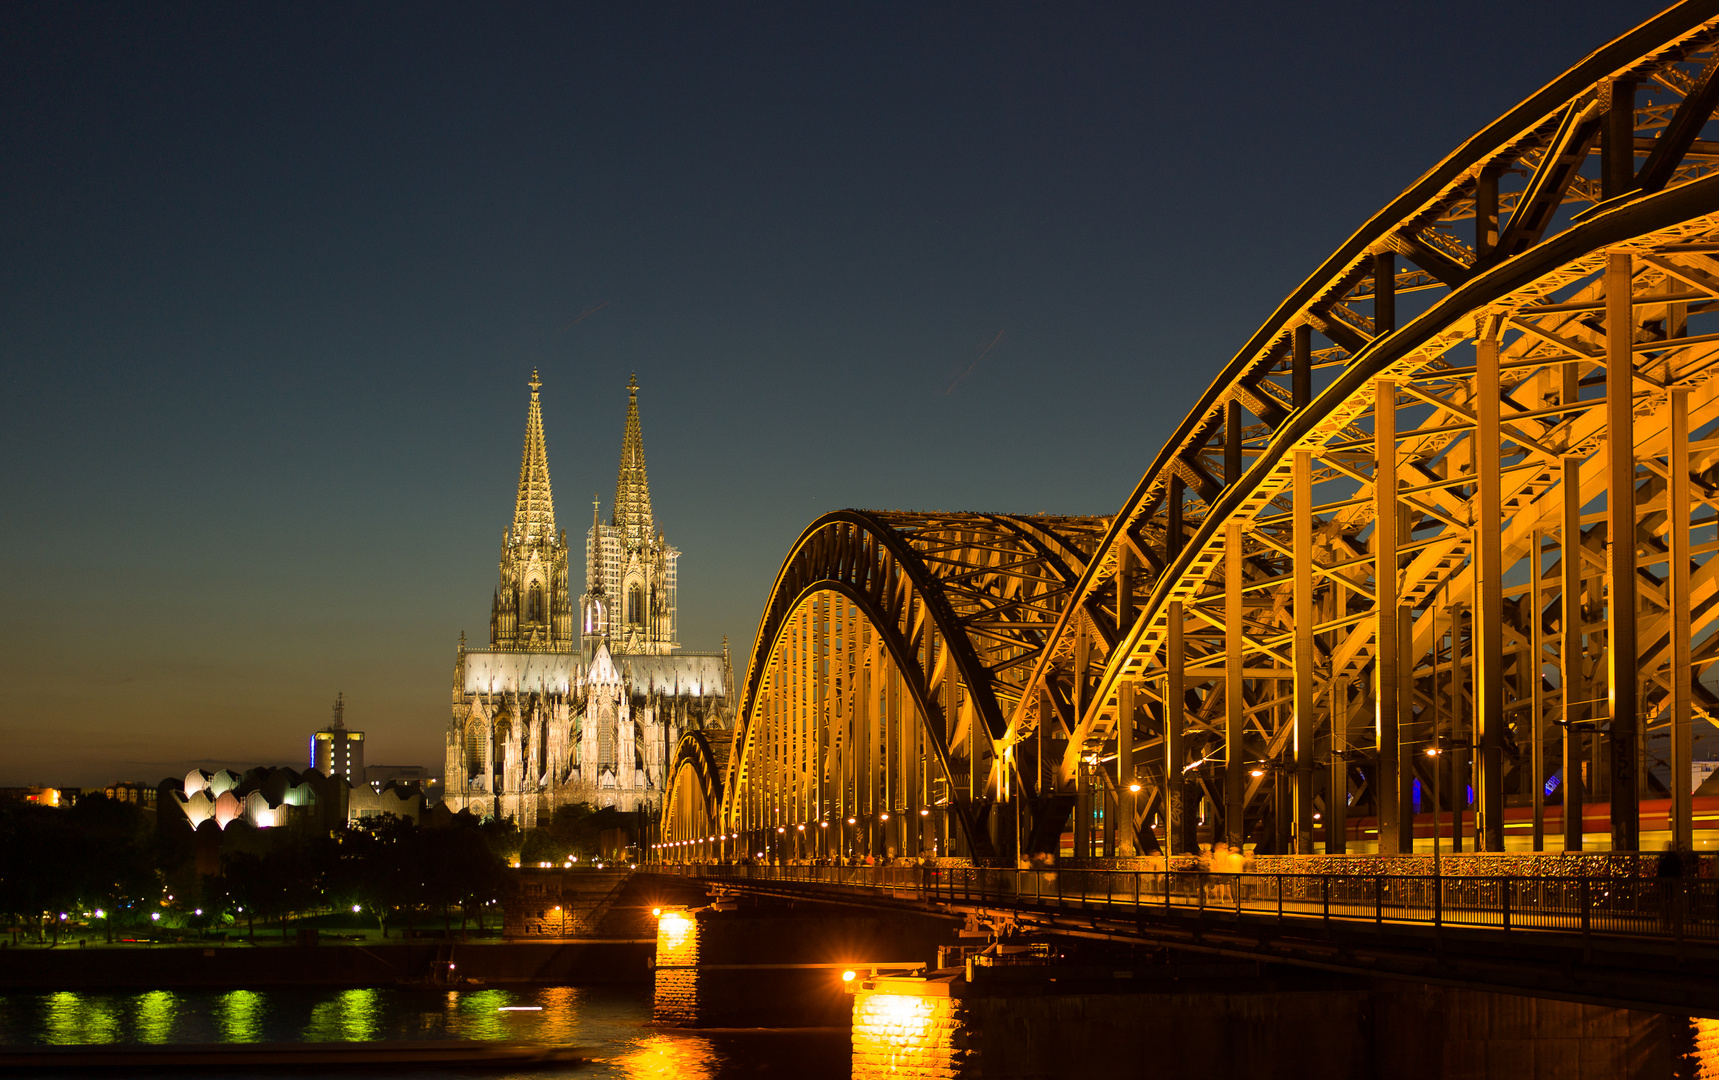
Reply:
x=1459, y=495
x=893, y=651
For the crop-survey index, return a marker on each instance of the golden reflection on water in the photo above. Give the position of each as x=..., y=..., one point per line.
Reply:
x=560, y=1015
x=72, y=1020
x=239, y=1015
x=684, y=1057
x=155, y=1013
x=349, y=1017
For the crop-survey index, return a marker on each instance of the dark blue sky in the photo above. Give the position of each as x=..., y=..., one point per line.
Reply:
x=274, y=278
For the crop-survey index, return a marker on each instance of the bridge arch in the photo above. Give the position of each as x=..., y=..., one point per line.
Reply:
x=1350, y=560
x=882, y=675
x=1381, y=553
x=692, y=804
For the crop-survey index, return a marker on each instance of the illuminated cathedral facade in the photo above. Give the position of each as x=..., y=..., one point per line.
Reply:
x=579, y=704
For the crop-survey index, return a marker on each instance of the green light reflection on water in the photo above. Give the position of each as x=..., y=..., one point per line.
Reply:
x=475, y=1015
x=239, y=1014
x=156, y=1011
x=74, y=1020
x=349, y=1017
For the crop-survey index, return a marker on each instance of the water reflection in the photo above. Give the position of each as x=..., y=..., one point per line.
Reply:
x=559, y=1021
x=476, y=1016
x=155, y=1013
x=71, y=1019
x=612, y=1023
x=238, y=1016
x=350, y=1017
x=681, y=1056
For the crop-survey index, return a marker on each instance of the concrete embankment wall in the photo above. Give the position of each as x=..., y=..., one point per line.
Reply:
x=1032, y=1035
x=721, y=968
x=941, y=1028
x=227, y=967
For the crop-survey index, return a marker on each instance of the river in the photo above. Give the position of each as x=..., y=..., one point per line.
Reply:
x=613, y=1023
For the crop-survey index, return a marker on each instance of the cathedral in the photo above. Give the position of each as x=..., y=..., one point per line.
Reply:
x=550, y=714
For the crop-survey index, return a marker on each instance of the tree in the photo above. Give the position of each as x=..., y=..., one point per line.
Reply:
x=247, y=884
x=503, y=837
x=576, y=827
x=113, y=856
x=36, y=877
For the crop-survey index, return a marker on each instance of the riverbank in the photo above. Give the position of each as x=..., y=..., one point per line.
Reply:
x=234, y=966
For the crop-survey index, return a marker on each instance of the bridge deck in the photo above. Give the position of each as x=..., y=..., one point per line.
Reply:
x=1636, y=942
x=1666, y=909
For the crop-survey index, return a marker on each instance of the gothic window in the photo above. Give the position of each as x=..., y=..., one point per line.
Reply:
x=635, y=605
x=503, y=733
x=534, y=611
x=474, y=750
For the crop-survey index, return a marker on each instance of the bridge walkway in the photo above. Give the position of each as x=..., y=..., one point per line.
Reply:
x=1632, y=942
x=1664, y=909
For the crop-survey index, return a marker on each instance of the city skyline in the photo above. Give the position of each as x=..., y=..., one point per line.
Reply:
x=278, y=280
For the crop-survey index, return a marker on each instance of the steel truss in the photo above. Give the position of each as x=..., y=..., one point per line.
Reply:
x=889, y=658
x=1359, y=545
x=1386, y=528
x=692, y=808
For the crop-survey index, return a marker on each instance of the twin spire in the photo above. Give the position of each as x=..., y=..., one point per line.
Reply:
x=632, y=509
x=534, y=510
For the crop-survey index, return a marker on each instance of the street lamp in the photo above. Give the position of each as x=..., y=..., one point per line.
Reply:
x=1436, y=752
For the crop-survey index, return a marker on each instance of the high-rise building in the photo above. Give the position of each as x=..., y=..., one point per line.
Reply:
x=337, y=751
x=543, y=717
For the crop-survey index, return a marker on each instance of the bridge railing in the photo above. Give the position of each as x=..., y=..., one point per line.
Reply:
x=1666, y=908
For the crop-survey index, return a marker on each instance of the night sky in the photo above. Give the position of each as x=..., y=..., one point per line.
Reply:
x=274, y=278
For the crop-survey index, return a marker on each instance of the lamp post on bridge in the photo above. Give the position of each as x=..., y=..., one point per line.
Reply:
x=1436, y=752
x=1133, y=813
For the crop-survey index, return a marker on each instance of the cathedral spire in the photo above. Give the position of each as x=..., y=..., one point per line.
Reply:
x=534, y=512
x=632, y=510
x=594, y=575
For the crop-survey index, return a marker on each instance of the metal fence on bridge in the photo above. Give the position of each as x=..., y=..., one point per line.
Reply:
x=1660, y=908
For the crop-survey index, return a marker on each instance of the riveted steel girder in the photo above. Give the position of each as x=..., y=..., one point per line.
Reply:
x=1496, y=372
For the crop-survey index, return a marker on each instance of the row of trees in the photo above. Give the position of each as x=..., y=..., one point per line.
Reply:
x=393, y=871
x=100, y=854
x=106, y=856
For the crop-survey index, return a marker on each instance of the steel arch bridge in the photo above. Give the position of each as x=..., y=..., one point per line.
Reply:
x=1378, y=558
